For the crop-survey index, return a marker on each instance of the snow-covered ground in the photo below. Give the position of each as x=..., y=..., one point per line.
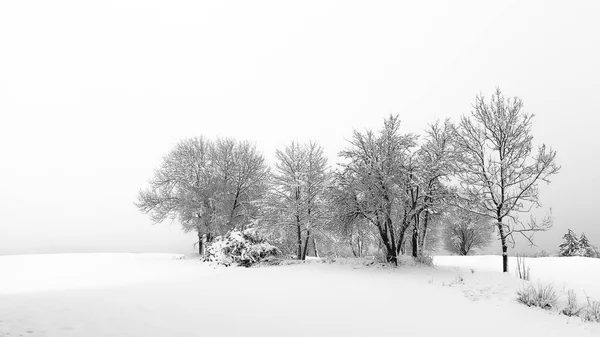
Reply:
x=163, y=295
x=578, y=273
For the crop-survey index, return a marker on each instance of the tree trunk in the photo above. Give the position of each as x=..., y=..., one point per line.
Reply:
x=504, y=246
x=390, y=251
x=299, y=232
x=423, y=237
x=391, y=256
x=315, y=247
x=401, y=245
x=390, y=226
x=235, y=205
x=360, y=246
x=415, y=241
x=305, y=244
x=200, y=245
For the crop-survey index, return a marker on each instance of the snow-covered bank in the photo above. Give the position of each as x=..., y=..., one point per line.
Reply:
x=161, y=295
x=581, y=274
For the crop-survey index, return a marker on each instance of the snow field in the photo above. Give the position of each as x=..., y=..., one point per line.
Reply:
x=162, y=295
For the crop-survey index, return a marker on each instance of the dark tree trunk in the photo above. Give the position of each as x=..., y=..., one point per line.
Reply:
x=401, y=246
x=235, y=205
x=200, y=245
x=391, y=257
x=306, y=244
x=390, y=252
x=504, y=246
x=299, y=233
x=415, y=241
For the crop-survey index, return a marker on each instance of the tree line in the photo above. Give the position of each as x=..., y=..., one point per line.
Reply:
x=393, y=192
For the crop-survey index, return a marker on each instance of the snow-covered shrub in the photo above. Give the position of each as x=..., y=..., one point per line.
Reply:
x=541, y=253
x=540, y=296
x=425, y=260
x=591, y=313
x=572, y=308
x=244, y=248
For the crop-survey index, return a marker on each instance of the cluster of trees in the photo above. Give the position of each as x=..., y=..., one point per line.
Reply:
x=573, y=246
x=393, y=192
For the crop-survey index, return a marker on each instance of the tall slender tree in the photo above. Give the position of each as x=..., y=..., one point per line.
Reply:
x=436, y=162
x=298, y=199
x=499, y=174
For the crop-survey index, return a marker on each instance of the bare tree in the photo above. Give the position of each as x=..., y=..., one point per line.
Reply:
x=298, y=194
x=182, y=189
x=435, y=163
x=498, y=173
x=242, y=173
x=348, y=226
x=209, y=187
x=465, y=231
x=374, y=182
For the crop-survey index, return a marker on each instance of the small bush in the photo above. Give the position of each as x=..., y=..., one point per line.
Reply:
x=591, y=313
x=541, y=253
x=540, y=296
x=572, y=308
x=425, y=260
x=244, y=248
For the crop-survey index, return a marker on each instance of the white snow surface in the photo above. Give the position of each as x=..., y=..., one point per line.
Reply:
x=168, y=295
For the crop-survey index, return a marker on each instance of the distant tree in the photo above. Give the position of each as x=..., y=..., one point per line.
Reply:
x=570, y=245
x=585, y=248
x=208, y=187
x=498, y=173
x=298, y=199
x=466, y=231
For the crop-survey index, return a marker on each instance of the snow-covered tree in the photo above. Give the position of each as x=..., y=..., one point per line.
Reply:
x=241, y=173
x=435, y=164
x=348, y=227
x=499, y=174
x=585, y=248
x=297, y=198
x=373, y=182
x=208, y=187
x=570, y=245
x=466, y=231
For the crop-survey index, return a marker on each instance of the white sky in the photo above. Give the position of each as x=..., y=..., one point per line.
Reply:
x=94, y=93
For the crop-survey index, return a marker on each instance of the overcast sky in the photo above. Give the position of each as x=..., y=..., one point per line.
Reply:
x=94, y=93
